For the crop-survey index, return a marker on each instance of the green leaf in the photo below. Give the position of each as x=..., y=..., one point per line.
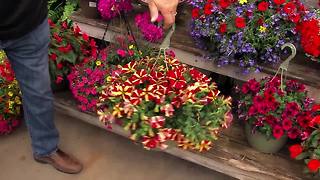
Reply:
x=302, y=156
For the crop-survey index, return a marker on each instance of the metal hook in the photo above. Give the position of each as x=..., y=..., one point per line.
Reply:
x=285, y=65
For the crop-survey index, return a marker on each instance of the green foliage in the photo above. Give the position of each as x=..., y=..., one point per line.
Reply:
x=60, y=10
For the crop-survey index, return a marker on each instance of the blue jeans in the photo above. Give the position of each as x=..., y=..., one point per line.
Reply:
x=28, y=56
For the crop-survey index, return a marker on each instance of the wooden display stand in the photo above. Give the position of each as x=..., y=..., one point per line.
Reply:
x=231, y=154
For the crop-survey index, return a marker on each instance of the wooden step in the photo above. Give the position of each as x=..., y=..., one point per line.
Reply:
x=230, y=155
x=301, y=69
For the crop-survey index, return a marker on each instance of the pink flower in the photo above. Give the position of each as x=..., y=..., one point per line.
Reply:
x=59, y=79
x=121, y=53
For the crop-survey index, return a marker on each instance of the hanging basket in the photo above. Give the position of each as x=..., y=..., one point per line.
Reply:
x=263, y=143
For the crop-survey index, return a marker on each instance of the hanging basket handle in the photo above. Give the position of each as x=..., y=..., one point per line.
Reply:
x=284, y=66
x=165, y=45
x=167, y=40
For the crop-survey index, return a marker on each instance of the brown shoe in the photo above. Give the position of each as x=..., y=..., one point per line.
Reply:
x=62, y=162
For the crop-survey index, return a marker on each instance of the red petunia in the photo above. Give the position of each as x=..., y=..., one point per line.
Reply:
x=254, y=85
x=295, y=18
x=208, y=9
x=289, y=8
x=85, y=37
x=245, y=88
x=240, y=22
x=293, y=133
x=53, y=57
x=263, y=6
x=277, y=132
x=279, y=2
x=286, y=124
x=295, y=150
x=195, y=13
x=223, y=28
x=314, y=165
x=224, y=4
x=59, y=66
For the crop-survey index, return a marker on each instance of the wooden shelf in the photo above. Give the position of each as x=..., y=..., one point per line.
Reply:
x=230, y=155
x=183, y=45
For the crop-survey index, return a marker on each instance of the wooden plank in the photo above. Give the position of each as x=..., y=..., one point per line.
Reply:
x=229, y=156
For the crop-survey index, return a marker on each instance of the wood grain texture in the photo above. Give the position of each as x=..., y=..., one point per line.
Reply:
x=230, y=155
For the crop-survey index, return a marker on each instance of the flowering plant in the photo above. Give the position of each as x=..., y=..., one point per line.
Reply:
x=87, y=78
x=245, y=32
x=162, y=100
x=310, y=37
x=10, y=97
x=309, y=150
x=111, y=8
x=67, y=48
x=150, y=31
x=274, y=109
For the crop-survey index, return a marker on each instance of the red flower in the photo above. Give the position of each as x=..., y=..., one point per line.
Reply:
x=316, y=120
x=53, y=57
x=304, y=120
x=252, y=111
x=293, y=133
x=260, y=21
x=223, y=28
x=289, y=8
x=286, y=124
x=76, y=30
x=254, y=85
x=85, y=37
x=257, y=100
x=224, y=4
x=277, y=132
x=64, y=25
x=316, y=107
x=295, y=150
x=59, y=79
x=295, y=18
x=150, y=143
x=157, y=122
x=195, y=13
x=208, y=9
x=176, y=79
x=51, y=23
x=240, y=22
x=263, y=6
x=314, y=165
x=65, y=49
x=245, y=88
x=279, y=2
x=59, y=66
x=57, y=37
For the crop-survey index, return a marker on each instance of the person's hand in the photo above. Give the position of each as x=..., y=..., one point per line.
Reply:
x=168, y=9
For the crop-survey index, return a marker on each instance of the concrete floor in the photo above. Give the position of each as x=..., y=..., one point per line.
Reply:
x=106, y=156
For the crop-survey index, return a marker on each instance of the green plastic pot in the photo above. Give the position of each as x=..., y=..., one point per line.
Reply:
x=263, y=143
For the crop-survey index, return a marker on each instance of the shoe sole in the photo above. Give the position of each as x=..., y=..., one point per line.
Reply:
x=57, y=168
